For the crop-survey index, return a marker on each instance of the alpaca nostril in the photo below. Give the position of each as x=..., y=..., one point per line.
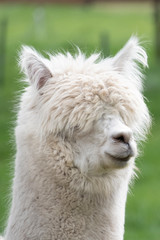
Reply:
x=119, y=138
x=122, y=137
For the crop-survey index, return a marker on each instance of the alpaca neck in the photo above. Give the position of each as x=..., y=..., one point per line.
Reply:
x=47, y=205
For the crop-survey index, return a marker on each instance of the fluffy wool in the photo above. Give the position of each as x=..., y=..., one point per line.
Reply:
x=77, y=128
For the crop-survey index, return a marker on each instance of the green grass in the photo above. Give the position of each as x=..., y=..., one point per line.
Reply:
x=53, y=28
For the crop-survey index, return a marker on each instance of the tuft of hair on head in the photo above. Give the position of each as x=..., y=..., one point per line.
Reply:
x=127, y=61
x=34, y=66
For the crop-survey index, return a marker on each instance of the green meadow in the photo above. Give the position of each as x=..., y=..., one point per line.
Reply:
x=54, y=28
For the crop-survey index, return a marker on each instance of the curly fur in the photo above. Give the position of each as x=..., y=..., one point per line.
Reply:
x=63, y=186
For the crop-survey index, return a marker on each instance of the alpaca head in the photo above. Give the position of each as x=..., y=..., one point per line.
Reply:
x=97, y=104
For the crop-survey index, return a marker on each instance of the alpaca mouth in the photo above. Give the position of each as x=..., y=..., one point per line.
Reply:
x=123, y=156
x=120, y=159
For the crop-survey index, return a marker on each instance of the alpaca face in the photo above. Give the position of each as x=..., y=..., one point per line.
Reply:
x=109, y=145
x=96, y=104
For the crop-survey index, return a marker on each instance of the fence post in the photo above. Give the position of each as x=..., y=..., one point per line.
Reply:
x=104, y=44
x=157, y=26
x=3, y=36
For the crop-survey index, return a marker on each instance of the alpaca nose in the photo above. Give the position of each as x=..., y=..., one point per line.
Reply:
x=123, y=136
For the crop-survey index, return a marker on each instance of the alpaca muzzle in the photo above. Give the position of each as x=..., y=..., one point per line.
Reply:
x=121, y=145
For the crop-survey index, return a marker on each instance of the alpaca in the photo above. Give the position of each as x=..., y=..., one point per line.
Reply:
x=78, y=127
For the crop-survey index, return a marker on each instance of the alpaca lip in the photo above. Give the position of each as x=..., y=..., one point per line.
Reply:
x=123, y=156
x=120, y=159
x=126, y=159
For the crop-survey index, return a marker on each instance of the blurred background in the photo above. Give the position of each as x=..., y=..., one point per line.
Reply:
x=105, y=26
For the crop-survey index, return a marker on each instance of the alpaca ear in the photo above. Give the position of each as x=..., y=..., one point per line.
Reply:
x=34, y=66
x=127, y=60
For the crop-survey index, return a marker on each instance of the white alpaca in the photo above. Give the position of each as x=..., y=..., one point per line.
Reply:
x=76, y=134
